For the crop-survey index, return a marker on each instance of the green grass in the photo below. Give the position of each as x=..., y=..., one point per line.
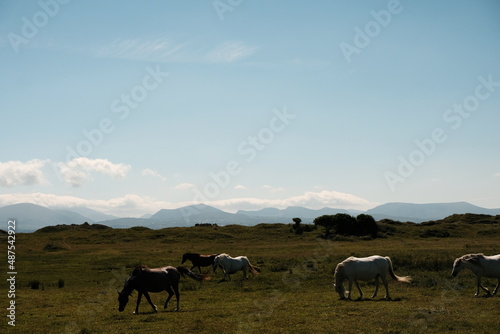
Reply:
x=293, y=293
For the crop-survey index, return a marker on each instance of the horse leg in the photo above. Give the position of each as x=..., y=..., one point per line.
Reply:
x=350, y=289
x=139, y=296
x=359, y=289
x=150, y=302
x=496, y=288
x=479, y=285
x=386, y=285
x=170, y=294
x=376, y=286
x=175, y=286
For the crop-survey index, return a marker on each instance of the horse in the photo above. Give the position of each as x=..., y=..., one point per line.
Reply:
x=199, y=260
x=231, y=265
x=145, y=280
x=365, y=269
x=482, y=266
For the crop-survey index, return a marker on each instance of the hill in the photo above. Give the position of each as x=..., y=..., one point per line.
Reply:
x=307, y=215
x=30, y=217
x=418, y=213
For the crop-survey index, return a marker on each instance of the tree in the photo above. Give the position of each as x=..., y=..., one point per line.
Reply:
x=366, y=224
x=325, y=221
x=344, y=223
x=296, y=227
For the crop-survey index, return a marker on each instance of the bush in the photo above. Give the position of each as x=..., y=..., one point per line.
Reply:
x=34, y=284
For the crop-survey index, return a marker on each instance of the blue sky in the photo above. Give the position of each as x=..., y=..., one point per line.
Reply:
x=128, y=107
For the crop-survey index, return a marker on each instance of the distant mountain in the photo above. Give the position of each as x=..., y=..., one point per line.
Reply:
x=204, y=214
x=92, y=215
x=418, y=213
x=30, y=217
x=306, y=215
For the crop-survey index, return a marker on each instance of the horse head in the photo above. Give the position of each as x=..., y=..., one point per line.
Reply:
x=122, y=300
x=338, y=278
x=184, y=258
x=458, y=265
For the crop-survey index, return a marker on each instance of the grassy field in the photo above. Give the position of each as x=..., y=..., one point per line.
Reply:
x=79, y=270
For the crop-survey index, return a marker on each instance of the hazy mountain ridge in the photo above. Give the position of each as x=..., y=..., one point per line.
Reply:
x=31, y=217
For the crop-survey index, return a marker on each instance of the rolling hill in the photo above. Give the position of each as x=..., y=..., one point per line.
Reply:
x=31, y=217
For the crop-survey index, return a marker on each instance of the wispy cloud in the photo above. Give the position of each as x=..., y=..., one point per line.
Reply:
x=240, y=187
x=184, y=186
x=17, y=173
x=230, y=52
x=163, y=48
x=78, y=171
x=131, y=205
x=273, y=189
x=153, y=173
x=310, y=199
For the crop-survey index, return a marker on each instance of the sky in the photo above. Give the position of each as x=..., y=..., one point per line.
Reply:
x=129, y=107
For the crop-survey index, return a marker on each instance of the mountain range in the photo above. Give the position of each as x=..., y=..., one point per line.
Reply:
x=31, y=217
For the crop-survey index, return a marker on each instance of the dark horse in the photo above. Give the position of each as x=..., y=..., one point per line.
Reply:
x=199, y=260
x=144, y=280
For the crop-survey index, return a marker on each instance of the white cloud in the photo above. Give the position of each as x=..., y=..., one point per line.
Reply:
x=273, y=189
x=132, y=205
x=240, y=187
x=156, y=48
x=184, y=186
x=78, y=171
x=126, y=206
x=150, y=172
x=164, y=48
x=497, y=174
x=17, y=173
x=310, y=199
x=230, y=52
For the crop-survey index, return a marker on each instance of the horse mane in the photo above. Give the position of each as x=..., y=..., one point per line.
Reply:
x=223, y=255
x=473, y=258
x=138, y=269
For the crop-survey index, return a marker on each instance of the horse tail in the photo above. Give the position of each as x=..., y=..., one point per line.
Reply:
x=197, y=277
x=253, y=270
x=405, y=279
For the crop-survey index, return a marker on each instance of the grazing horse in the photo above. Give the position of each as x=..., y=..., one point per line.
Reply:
x=199, y=260
x=481, y=265
x=230, y=265
x=145, y=280
x=365, y=269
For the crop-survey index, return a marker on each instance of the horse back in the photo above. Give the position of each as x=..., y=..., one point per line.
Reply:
x=156, y=279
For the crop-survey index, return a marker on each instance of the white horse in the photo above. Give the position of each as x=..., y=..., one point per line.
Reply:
x=365, y=269
x=482, y=266
x=230, y=265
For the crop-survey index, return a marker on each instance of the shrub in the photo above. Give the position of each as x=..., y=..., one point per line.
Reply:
x=34, y=284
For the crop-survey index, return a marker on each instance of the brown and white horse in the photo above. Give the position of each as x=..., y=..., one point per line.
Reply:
x=145, y=280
